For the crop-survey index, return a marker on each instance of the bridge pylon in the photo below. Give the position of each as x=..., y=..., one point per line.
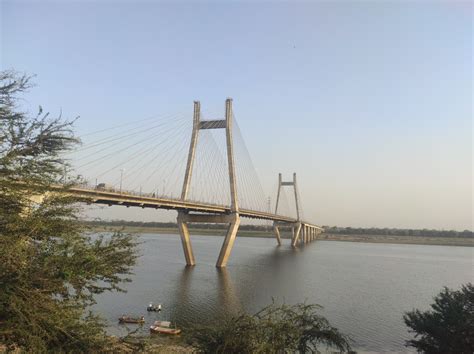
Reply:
x=232, y=219
x=297, y=226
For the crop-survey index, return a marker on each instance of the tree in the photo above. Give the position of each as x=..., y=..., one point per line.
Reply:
x=275, y=329
x=50, y=267
x=448, y=327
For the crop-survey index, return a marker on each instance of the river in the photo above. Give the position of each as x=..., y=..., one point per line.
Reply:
x=364, y=288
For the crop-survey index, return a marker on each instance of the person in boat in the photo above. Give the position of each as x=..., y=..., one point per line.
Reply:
x=152, y=307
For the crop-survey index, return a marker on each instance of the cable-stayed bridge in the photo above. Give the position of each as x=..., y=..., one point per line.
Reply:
x=206, y=177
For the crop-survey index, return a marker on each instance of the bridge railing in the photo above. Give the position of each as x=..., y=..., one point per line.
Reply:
x=92, y=187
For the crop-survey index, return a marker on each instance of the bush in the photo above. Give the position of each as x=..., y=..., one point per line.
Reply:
x=275, y=329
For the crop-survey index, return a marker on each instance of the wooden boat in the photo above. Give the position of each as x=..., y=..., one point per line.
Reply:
x=165, y=330
x=164, y=327
x=162, y=324
x=128, y=319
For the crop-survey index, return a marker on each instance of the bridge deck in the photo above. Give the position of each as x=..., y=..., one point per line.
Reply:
x=132, y=200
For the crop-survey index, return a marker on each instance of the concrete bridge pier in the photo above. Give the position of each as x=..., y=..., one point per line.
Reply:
x=233, y=220
x=308, y=234
x=185, y=239
x=228, y=241
x=296, y=233
x=276, y=229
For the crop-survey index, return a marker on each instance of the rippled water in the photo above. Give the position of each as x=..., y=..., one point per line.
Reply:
x=364, y=288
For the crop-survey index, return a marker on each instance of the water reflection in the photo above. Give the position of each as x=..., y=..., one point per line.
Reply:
x=181, y=298
x=227, y=298
x=203, y=300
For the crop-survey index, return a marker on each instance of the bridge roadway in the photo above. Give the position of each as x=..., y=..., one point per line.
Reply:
x=135, y=200
x=192, y=211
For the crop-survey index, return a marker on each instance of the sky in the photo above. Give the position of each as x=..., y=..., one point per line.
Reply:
x=369, y=102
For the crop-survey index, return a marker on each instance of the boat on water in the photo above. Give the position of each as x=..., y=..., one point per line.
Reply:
x=128, y=319
x=164, y=327
x=155, y=308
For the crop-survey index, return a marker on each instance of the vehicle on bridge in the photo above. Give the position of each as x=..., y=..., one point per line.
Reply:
x=105, y=187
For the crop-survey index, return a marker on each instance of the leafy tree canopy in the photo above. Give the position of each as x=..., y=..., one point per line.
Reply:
x=50, y=269
x=448, y=327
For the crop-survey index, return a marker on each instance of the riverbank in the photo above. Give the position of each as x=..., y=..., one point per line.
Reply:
x=413, y=240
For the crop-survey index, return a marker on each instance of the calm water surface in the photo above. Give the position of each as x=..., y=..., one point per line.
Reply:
x=364, y=288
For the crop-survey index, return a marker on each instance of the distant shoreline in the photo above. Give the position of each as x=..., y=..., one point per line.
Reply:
x=174, y=230
x=407, y=240
x=390, y=239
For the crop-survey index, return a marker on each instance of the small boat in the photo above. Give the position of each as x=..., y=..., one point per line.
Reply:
x=164, y=327
x=151, y=307
x=128, y=319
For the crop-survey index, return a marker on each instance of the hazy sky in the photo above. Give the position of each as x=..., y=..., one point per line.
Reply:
x=369, y=102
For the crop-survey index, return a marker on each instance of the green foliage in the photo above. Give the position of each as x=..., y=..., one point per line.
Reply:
x=275, y=329
x=448, y=327
x=50, y=269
